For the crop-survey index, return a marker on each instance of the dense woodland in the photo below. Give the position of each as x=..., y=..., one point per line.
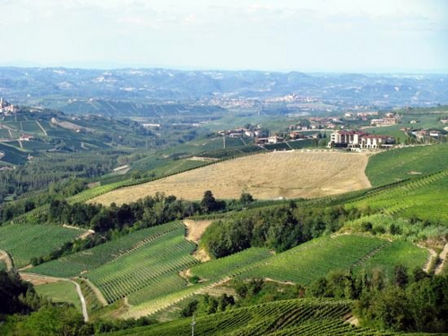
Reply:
x=278, y=228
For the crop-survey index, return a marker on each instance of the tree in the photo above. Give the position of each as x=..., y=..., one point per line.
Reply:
x=401, y=276
x=246, y=198
x=209, y=203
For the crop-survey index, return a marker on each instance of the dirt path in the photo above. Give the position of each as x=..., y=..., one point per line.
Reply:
x=443, y=257
x=85, y=233
x=38, y=279
x=7, y=259
x=196, y=228
x=82, y=299
x=42, y=128
x=431, y=258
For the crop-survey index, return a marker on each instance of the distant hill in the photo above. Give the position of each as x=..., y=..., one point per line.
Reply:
x=32, y=132
x=57, y=87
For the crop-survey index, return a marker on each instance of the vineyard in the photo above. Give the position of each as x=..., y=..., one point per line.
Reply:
x=230, y=265
x=314, y=259
x=396, y=253
x=75, y=264
x=403, y=163
x=145, y=266
x=423, y=197
x=289, y=317
x=26, y=241
x=332, y=173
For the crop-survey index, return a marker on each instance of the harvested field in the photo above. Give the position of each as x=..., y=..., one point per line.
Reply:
x=286, y=174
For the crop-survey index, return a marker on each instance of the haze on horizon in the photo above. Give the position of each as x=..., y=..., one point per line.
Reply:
x=306, y=35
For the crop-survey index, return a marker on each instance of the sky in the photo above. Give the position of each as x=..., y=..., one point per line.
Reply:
x=271, y=35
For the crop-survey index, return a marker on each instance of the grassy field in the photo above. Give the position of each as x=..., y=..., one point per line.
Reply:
x=266, y=176
x=288, y=317
x=75, y=264
x=61, y=291
x=314, y=259
x=26, y=241
x=399, y=164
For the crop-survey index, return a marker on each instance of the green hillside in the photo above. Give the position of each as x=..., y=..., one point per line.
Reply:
x=26, y=241
x=216, y=269
x=143, y=267
x=61, y=291
x=403, y=163
x=424, y=198
x=74, y=264
x=289, y=317
x=316, y=258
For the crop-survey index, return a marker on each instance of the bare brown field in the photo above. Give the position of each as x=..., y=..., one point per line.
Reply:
x=195, y=228
x=286, y=174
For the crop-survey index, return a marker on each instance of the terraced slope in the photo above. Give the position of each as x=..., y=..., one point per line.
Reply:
x=144, y=264
x=26, y=241
x=81, y=262
x=148, y=265
x=403, y=163
x=272, y=175
x=289, y=317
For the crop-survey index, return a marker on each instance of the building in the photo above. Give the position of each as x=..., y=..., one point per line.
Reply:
x=388, y=121
x=357, y=139
x=274, y=139
x=25, y=137
x=6, y=107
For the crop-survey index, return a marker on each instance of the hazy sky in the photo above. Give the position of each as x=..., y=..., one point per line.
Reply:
x=314, y=35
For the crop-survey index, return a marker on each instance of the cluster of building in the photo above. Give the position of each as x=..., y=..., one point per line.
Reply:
x=359, y=140
x=250, y=132
x=423, y=134
x=388, y=120
x=6, y=107
x=317, y=123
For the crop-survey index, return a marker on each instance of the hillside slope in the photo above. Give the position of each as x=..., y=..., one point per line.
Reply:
x=273, y=175
x=399, y=164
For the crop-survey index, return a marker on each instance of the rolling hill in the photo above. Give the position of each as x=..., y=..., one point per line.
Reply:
x=403, y=163
x=266, y=176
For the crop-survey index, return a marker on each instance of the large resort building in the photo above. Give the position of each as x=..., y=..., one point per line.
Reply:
x=361, y=140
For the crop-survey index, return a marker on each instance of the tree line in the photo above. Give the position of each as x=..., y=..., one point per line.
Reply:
x=279, y=228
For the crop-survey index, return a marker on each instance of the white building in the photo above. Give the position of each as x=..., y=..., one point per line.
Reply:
x=356, y=139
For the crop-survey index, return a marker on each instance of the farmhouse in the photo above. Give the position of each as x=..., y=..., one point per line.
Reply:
x=357, y=139
x=6, y=107
x=274, y=139
x=25, y=137
x=388, y=121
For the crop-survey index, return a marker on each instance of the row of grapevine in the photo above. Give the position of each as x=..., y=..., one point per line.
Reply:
x=288, y=317
x=144, y=267
x=74, y=264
